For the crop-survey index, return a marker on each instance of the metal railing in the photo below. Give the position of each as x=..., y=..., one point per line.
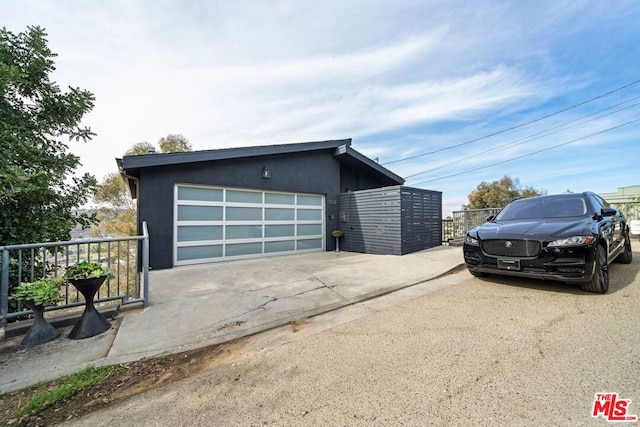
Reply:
x=464, y=221
x=631, y=210
x=126, y=257
x=447, y=230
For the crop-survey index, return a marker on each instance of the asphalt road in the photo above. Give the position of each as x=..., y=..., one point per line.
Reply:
x=485, y=352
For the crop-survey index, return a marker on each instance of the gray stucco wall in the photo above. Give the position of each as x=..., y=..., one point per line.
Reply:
x=308, y=172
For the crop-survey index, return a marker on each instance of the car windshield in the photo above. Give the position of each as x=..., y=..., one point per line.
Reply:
x=543, y=207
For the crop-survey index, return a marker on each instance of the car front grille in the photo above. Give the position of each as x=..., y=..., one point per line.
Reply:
x=579, y=260
x=570, y=270
x=511, y=248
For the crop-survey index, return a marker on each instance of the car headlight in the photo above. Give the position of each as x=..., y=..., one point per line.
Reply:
x=471, y=240
x=572, y=241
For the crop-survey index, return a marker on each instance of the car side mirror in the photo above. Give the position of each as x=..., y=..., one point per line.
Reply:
x=608, y=212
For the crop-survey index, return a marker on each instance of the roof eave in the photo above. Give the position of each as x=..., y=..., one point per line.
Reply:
x=345, y=150
x=133, y=163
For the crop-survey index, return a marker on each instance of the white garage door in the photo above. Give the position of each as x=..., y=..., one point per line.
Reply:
x=215, y=223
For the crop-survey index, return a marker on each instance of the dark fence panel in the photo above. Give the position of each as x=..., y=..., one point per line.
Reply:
x=421, y=219
x=390, y=220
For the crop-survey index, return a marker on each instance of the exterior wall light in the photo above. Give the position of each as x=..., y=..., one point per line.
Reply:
x=266, y=173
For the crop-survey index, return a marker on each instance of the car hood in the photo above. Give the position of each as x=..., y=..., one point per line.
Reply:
x=533, y=229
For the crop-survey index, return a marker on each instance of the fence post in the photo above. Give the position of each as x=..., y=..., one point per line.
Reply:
x=4, y=289
x=145, y=264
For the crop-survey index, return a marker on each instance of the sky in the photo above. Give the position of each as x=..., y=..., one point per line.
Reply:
x=445, y=93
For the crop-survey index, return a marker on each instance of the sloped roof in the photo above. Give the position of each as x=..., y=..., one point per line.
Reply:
x=130, y=165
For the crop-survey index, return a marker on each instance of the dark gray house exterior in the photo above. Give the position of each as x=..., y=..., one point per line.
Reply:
x=214, y=205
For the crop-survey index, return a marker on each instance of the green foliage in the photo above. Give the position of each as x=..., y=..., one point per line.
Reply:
x=499, y=193
x=174, y=143
x=112, y=192
x=37, y=195
x=44, y=292
x=69, y=386
x=140, y=149
x=117, y=211
x=86, y=270
x=336, y=233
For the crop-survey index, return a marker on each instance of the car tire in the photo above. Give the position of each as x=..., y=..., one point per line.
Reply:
x=599, y=283
x=627, y=256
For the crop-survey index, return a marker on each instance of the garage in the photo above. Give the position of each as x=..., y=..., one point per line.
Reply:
x=246, y=202
x=223, y=223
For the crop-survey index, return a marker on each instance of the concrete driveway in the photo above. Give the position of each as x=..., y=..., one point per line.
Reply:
x=196, y=306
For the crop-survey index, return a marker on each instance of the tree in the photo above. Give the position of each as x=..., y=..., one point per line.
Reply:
x=499, y=193
x=140, y=149
x=174, y=143
x=38, y=195
x=117, y=211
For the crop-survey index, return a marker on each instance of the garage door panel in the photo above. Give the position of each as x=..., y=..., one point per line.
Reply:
x=243, y=214
x=200, y=194
x=309, y=214
x=243, y=231
x=309, y=200
x=309, y=229
x=214, y=224
x=309, y=244
x=279, y=214
x=283, y=230
x=237, y=196
x=282, y=246
x=199, y=213
x=243, y=249
x=192, y=253
x=187, y=233
x=279, y=199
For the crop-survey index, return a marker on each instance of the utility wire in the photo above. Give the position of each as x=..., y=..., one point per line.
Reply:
x=535, y=136
x=516, y=126
x=529, y=154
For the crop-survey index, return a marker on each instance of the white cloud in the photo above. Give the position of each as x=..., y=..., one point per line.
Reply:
x=400, y=77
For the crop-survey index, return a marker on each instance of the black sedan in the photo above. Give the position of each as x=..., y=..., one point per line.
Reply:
x=566, y=237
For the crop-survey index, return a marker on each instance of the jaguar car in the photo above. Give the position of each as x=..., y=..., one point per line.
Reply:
x=567, y=237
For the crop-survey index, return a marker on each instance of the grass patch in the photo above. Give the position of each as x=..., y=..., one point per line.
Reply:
x=67, y=387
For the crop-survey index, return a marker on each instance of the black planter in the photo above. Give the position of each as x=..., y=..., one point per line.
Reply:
x=92, y=322
x=41, y=331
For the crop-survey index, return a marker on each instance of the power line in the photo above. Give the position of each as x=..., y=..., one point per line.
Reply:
x=535, y=136
x=529, y=154
x=516, y=126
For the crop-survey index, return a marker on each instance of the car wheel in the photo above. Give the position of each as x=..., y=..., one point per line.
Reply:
x=627, y=256
x=600, y=281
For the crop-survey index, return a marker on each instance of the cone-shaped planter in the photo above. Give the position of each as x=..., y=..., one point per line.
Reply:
x=92, y=322
x=41, y=331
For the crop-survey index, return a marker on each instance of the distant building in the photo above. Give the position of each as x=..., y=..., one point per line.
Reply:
x=623, y=195
x=627, y=200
